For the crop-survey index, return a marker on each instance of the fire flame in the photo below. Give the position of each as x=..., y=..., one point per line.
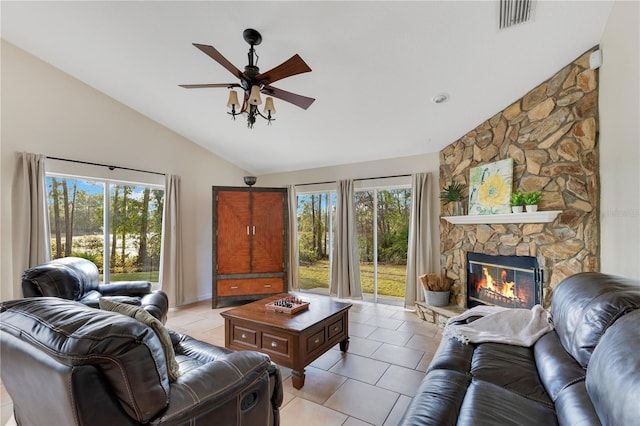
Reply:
x=499, y=285
x=504, y=287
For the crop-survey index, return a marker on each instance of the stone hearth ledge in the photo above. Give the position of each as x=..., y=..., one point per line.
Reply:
x=438, y=315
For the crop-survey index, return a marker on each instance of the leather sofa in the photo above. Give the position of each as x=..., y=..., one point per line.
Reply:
x=584, y=372
x=64, y=363
x=75, y=278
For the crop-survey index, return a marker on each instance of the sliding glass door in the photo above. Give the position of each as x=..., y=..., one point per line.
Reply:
x=382, y=223
x=316, y=214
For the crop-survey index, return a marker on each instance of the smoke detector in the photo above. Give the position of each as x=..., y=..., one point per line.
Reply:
x=440, y=98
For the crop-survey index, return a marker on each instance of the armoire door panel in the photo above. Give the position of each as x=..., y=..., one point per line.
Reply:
x=267, y=243
x=233, y=232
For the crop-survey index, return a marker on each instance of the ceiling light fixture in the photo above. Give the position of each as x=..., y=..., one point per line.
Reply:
x=250, y=106
x=252, y=98
x=253, y=83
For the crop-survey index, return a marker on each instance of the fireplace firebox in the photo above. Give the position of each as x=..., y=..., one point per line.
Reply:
x=507, y=281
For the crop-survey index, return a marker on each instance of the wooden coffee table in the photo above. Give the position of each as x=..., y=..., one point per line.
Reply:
x=291, y=340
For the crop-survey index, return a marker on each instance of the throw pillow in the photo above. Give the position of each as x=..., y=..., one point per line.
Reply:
x=136, y=312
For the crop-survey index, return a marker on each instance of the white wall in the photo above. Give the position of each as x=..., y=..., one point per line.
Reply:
x=620, y=142
x=48, y=112
x=389, y=167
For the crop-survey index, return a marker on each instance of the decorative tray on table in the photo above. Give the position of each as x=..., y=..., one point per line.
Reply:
x=288, y=305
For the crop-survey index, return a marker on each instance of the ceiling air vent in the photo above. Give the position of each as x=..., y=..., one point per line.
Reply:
x=513, y=12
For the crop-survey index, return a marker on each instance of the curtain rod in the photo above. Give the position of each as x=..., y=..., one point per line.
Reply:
x=355, y=180
x=105, y=165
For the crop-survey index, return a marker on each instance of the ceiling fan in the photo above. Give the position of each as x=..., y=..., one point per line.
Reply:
x=252, y=82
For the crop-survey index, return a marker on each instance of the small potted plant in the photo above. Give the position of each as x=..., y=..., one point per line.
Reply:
x=453, y=194
x=517, y=201
x=531, y=200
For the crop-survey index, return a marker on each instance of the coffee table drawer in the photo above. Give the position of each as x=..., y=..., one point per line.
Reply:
x=244, y=336
x=315, y=341
x=277, y=344
x=336, y=328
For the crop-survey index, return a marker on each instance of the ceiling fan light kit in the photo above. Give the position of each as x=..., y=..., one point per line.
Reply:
x=269, y=108
x=253, y=83
x=233, y=100
x=254, y=96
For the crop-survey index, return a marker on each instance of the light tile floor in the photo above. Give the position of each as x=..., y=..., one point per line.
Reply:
x=372, y=384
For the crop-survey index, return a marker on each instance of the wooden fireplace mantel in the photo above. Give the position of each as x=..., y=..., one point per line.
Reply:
x=532, y=217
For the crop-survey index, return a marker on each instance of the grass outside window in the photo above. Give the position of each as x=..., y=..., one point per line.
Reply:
x=391, y=278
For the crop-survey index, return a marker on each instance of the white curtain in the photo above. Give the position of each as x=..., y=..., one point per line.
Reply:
x=293, y=272
x=345, y=269
x=31, y=238
x=171, y=278
x=420, y=250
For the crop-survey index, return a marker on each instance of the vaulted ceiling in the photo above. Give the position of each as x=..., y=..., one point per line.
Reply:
x=376, y=66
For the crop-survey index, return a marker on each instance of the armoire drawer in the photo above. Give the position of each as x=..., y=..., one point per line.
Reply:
x=250, y=286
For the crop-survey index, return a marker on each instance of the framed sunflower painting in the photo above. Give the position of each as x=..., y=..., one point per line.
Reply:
x=490, y=188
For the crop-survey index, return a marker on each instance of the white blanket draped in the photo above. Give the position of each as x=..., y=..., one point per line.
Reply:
x=520, y=327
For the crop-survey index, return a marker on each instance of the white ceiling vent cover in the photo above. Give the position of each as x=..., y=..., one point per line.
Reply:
x=514, y=12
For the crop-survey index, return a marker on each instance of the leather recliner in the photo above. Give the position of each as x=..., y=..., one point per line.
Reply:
x=64, y=363
x=75, y=278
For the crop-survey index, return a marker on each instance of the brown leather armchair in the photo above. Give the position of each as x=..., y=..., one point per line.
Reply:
x=64, y=363
x=75, y=278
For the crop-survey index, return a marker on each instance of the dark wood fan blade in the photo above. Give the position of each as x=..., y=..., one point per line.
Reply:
x=292, y=66
x=202, y=86
x=298, y=100
x=217, y=56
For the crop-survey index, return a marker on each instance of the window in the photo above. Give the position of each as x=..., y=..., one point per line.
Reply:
x=382, y=247
x=125, y=242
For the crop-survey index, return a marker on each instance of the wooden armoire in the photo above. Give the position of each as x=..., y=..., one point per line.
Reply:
x=250, y=243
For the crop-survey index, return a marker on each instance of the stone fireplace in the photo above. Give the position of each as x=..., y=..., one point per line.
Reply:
x=552, y=135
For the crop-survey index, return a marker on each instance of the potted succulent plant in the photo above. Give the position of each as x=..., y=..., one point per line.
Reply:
x=531, y=200
x=517, y=201
x=453, y=194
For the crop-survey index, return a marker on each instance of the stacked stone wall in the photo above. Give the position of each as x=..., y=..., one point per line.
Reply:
x=552, y=135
